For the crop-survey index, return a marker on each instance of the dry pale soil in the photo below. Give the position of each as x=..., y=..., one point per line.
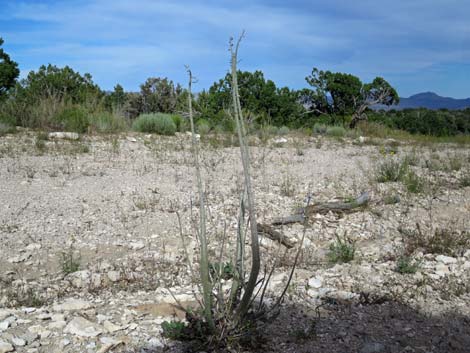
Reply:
x=91, y=243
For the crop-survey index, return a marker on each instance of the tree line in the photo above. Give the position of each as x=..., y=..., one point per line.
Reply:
x=50, y=96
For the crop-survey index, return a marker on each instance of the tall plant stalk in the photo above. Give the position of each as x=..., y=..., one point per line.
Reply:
x=204, y=261
x=250, y=199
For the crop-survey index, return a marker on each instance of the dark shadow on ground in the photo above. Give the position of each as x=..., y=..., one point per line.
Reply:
x=387, y=327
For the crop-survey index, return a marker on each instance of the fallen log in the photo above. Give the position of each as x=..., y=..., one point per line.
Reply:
x=271, y=233
x=323, y=208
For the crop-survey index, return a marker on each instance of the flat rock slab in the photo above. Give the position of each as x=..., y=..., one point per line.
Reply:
x=83, y=328
x=6, y=347
x=72, y=305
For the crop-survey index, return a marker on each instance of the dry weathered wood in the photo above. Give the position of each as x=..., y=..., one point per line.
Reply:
x=322, y=208
x=273, y=234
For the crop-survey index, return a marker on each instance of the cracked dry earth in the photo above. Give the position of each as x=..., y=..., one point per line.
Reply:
x=90, y=242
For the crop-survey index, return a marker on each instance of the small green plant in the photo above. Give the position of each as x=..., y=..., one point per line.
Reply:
x=391, y=170
x=336, y=131
x=342, y=250
x=40, y=145
x=70, y=261
x=287, y=186
x=224, y=271
x=407, y=265
x=391, y=199
x=174, y=330
x=158, y=123
x=414, y=184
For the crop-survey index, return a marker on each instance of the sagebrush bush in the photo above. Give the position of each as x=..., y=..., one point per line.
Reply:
x=391, y=170
x=74, y=119
x=158, y=123
x=203, y=126
x=108, y=123
x=336, y=131
x=320, y=128
x=283, y=130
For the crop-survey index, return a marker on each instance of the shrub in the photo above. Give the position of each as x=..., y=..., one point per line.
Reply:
x=464, y=179
x=158, y=123
x=6, y=128
x=455, y=163
x=179, y=122
x=342, y=250
x=391, y=199
x=108, y=123
x=283, y=130
x=391, y=170
x=406, y=265
x=73, y=119
x=336, y=131
x=320, y=128
x=173, y=330
x=413, y=182
x=437, y=241
x=203, y=126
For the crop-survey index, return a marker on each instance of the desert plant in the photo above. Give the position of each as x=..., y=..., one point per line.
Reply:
x=336, y=131
x=407, y=265
x=455, y=163
x=229, y=314
x=464, y=179
x=203, y=126
x=414, y=184
x=73, y=118
x=70, y=260
x=283, y=130
x=320, y=129
x=391, y=170
x=391, y=199
x=341, y=250
x=107, y=122
x=435, y=241
x=173, y=330
x=179, y=122
x=7, y=124
x=158, y=123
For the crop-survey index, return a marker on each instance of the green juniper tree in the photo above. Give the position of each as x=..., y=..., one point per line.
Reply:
x=9, y=72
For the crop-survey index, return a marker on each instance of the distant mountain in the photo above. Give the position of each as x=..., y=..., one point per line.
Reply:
x=429, y=100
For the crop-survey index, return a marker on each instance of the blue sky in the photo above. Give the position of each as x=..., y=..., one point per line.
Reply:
x=417, y=45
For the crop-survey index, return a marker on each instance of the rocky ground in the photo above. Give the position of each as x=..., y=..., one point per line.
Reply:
x=90, y=242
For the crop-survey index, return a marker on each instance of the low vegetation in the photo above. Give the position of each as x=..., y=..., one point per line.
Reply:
x=158, y=123
x=342, y=250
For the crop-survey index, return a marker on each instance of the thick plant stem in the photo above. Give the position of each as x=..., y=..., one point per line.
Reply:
x=204, y=262
x=255, y=266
